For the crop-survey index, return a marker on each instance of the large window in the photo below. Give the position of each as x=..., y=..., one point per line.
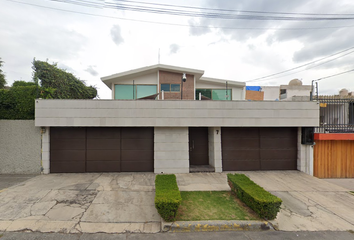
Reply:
x=171, y=87
x=133, y=91
x=214, y=94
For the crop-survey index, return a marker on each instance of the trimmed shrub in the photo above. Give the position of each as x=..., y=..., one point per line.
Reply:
x=167, y=196
x=259, y=200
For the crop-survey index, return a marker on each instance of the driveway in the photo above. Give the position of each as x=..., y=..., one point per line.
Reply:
x=74, y=203
x=309, y=203
x=8, y=180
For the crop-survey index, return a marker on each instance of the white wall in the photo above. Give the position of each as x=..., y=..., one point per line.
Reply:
x=237, y=94
x=304, y=156
x=271, y=93
x=214, y=135
x=20, y=147
x=171, y=150
x=46, y=150
x=175, y=113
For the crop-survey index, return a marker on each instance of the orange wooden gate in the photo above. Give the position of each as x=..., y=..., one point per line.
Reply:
x=334, y=159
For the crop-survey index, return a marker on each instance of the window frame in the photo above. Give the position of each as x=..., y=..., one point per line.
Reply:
x=135, y=88
x=211, y=93
x=170, y=87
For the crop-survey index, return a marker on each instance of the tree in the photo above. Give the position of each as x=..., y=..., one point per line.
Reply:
x=2, y=76
x=65, y=85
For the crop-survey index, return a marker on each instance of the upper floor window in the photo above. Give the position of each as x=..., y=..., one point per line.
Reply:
x=133, y=91
x=214, y=94
x=170, y=87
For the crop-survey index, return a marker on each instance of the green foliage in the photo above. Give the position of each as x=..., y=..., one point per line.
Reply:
x=23, y=84
x=167, y=197
x=19, y=101
x=259, y=200
x=66, y=85
x=2, y=76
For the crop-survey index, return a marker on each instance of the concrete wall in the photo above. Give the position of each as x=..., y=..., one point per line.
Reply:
x=271, y=93
x=175, y=113
x=304, y=156
x=171, y=150
x=291, y=91
x=46, y=150
x=214, y=135
x=20, y=147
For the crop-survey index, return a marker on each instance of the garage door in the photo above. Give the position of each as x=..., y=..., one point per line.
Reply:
x=249, y=149
x=101, y=150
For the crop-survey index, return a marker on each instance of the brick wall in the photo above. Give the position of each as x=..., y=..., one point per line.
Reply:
x=254, y=95
x=175, y=78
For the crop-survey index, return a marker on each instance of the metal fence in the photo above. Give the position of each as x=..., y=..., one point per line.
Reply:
x=336, y=114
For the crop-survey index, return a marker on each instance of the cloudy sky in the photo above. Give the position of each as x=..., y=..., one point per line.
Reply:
x=96, y=38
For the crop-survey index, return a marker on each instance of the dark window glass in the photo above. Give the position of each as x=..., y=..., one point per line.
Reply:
x=175, y=87
x=165, y=87
x=205, y=93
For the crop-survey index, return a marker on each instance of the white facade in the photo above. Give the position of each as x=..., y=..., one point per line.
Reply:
x=171, y=150
x=271, y=93
x=150, y=75
x=145, y=113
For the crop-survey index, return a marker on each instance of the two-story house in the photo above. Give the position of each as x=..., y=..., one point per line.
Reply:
x=168, y=119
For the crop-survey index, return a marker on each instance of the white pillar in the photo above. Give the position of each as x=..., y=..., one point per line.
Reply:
x=215, y=148
x=45, y=131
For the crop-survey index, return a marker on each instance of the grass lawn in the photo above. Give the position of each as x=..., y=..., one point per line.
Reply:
x=213, y=205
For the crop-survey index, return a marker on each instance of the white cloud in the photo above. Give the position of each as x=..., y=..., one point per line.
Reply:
x=116, y=35
x=86, y=45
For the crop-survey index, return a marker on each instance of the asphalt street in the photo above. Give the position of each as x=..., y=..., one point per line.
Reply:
x=265, y=235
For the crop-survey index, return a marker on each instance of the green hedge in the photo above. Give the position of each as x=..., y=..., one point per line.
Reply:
x=259, y=200
x=18, y=102
x=167, y=197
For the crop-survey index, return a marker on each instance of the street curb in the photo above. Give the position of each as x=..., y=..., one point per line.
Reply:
x=215, y=226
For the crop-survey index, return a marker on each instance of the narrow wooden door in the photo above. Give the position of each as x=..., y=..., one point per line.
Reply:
x=198, y=146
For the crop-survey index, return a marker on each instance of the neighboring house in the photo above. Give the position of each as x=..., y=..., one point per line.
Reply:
x=333, y=152
x=163, y=134
x=254, y=93
x=293, y=91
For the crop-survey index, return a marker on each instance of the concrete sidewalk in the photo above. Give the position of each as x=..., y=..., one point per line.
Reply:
x=124, y=202
x=75, y=203
x=309, y=203
x=347, y=183
x=9, y=180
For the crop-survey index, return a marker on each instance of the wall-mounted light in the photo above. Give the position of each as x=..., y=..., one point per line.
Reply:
x=184, y=77
x=217, y=131
x=43, y=130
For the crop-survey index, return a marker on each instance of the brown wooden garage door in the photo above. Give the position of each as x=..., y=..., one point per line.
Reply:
x=249, y=149
x=101, y=150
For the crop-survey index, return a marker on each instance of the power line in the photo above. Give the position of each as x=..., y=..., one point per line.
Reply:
x=176, y=24
x=230, y=10
x=309, y=63
x=337, y=74
x=127, y=6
